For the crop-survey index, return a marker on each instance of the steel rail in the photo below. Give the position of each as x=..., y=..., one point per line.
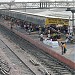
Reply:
x=3, y=70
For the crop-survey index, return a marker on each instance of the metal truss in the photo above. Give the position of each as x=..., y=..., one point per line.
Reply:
x=36, y=5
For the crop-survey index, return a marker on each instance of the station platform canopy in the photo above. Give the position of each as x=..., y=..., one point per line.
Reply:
x=56, y=14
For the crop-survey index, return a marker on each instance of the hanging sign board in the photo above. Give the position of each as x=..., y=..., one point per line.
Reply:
x=56, y=21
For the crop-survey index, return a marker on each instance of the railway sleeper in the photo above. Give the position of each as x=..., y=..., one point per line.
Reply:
x=40, y=67
x=66, y=73
x=34, y=62
x=62, y=72
x=59, y=68
x=44, y=71
x=3, y=71
x=5, y=66
x=53, y=72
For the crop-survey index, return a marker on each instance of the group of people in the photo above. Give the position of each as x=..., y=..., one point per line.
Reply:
x=53, y=36
x=63, y=44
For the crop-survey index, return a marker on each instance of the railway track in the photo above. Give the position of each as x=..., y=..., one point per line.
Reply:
x=17, y=62
x=4, y=68
x=50, y=63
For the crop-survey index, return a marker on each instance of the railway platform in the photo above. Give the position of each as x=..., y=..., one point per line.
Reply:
x=70, y=53
x=68, y=58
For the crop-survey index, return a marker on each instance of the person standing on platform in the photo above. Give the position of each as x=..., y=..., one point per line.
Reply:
x=40, y=30
x=63, y=46
x=48, y=34
x=11, y=25
x=41, y=37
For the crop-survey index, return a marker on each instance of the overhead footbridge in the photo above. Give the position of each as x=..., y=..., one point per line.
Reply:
x=36, y=5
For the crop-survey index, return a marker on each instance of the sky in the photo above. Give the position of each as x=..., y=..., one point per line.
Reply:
x=31, y=0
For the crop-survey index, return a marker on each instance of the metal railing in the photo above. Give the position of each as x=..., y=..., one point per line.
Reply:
x=36, y=5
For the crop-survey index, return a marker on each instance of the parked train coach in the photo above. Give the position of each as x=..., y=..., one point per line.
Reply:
x=36, y=19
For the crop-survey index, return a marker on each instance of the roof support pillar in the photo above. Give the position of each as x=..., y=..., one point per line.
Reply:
x=73, y=21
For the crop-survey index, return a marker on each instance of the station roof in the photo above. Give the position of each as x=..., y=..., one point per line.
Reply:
x=52, y=13
x=56, y=14
x=49, y=13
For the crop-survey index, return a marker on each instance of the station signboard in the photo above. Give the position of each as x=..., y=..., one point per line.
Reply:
x=50, y=21
x=56, y=21
x=66, y=21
